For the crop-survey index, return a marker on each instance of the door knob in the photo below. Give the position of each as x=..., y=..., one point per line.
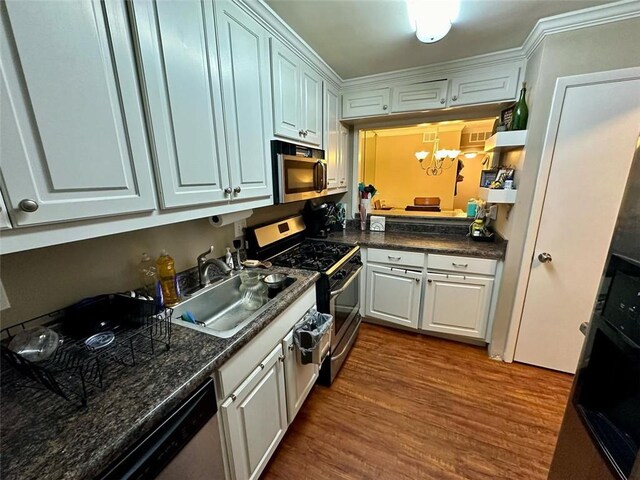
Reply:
x=227, y=191
x=384, y=107
x=28, y=205
x=442, y=100
x=545, y=257
x=237, y=190
x=454, y=98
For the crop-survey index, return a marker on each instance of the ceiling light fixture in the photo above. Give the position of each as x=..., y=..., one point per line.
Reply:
x=432, y=19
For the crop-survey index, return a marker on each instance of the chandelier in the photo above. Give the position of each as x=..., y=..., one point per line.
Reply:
x=441, y=160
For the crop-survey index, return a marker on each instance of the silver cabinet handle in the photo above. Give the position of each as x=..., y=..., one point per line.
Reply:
x=27, y=205
x=237, y=190
x=429, y=281
x=233, y=397
x=442, y=100
x=301, y=133
x=454, y=98
x=396, y=259
x=291, y=347
x=545, y=257
x=227, y=191
x=281, y=358
x=460, y=265
x=306, y=132
x=384, y=107
x=262, y=366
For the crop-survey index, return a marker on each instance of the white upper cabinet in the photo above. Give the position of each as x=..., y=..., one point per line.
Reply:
x=419, y=96
x=366, y=103
x=73, y=140
x=180, y=64
x=343, y=157
x=297, y=97
x=331, y=135
x=457, y=304
x=486, y=85
x=246, y=88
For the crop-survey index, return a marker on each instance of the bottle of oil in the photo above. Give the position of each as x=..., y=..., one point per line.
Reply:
x=167, y=275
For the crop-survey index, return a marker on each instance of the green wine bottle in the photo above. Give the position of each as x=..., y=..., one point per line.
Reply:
x=521, y=112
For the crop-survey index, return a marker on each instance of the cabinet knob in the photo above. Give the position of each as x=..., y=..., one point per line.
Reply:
x=281, y=358
x=545, y=257
x=291, y=347
x=237, y=190
x=262, y=366
x=454, y=98
x=306, y=132
x=27, y=205
x=429, y=281
x=442, y=100
x=227, y=191
x=384, y=107
x=233, y=397
x=301, y=133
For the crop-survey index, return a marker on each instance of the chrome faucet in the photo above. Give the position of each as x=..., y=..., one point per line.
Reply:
x=205, y=264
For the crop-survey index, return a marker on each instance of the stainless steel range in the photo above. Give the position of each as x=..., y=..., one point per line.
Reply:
x=284, y=243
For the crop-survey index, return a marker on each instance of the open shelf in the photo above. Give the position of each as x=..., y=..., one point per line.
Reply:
x=490, y=195
x=505, y=141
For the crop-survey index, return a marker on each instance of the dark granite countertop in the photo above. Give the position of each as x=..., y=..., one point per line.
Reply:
x=43, y=436
x=447, y=244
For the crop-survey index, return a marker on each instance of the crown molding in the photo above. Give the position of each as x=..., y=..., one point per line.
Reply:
x=588, y=17
x=265, y=15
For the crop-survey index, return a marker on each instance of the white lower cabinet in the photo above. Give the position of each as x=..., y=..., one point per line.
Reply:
x=299, y=379
x=255, y=417
x=393, y=295
x=457, y=304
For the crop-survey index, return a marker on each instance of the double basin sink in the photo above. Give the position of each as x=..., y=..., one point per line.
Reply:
x=219, y=309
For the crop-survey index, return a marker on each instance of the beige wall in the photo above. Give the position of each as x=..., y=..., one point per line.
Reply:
x=398, y=176
x=46, y=279
x=369, y=159
x=600, y=48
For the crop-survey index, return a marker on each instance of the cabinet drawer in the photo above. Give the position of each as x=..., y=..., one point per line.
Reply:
x=366, y=103
x=396, y=257
x=482, y=266
x=419, y=96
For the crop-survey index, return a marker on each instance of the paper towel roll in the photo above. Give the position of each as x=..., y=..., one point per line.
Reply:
x=229, y=218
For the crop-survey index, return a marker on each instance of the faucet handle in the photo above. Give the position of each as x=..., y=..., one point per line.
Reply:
x=202, y=256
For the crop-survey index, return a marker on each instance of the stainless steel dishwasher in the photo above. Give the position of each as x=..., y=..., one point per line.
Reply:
x=185, y=445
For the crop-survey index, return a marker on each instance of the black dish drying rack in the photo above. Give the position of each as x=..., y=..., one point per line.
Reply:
x=75, y=369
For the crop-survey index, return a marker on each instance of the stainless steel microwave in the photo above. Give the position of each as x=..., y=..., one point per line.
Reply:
x=300, y=173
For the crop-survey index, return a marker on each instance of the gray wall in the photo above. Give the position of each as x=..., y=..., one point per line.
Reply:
x=600, y=48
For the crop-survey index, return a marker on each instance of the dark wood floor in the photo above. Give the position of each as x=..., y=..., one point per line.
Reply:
x=407, y=406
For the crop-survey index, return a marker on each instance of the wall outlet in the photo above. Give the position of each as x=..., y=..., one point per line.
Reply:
x=237, y=228
x=493, y=212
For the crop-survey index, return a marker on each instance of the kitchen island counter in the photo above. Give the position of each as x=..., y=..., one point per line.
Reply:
x=44, y=436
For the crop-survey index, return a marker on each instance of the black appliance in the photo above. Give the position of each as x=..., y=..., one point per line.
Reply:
x=185, y=445
x=299, y=173
x=285, y=244
x=600, y=434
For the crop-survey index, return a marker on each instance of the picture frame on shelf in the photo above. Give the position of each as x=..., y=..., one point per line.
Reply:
x=506, y=116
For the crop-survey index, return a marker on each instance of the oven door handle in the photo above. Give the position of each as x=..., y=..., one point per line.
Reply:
x=346, y=347
x=318, y=177
x=337, y=292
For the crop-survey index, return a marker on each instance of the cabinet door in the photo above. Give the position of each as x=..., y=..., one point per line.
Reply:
x=299, y=379
x=343, y=157
x=73, y=138
x=244, y=60
x=365, y=103
x=311, y=112
x=456, y=304
x=255, y=417
x=5, y=223
x=419, y=96
x=331, y=135
x=181, y=80
x=285, y=73
x=486, y=85
x=393, y=295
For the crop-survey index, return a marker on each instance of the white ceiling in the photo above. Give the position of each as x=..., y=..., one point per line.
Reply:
x=363, y=37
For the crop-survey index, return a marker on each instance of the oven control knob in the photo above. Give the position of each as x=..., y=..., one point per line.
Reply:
x=340, y=274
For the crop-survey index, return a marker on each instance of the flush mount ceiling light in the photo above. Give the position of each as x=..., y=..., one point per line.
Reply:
x=432, y=19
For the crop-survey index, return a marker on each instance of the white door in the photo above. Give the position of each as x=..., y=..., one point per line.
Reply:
x=285, y=76
x=331, y=135
x=420, y=96
x=343, y=157
x=488, y=85
x=184, y=102
x=366, y=103
x=457, y=304
x=311, y=112
x=73, y=143
x=592, y=136
x=255, y=417
x=393, y=295
x=244, y=60
x=299, y=379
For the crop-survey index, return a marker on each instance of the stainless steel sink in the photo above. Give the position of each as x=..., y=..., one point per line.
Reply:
x=218, y=309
